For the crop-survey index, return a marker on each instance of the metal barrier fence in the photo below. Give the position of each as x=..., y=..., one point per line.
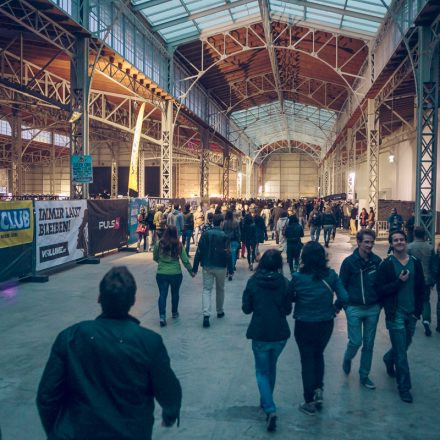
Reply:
x=381, y=229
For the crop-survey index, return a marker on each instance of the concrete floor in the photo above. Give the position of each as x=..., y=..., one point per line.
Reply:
x=215, y=365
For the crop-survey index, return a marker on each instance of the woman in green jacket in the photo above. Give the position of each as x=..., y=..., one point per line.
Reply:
x=167, y=254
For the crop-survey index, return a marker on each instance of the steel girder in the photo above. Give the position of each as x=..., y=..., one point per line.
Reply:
x=114, y=172
x=166, y=156
x=32, y=19
x=239, y=176
x=307, y=87
x=373, y=145
x=266, y=150
x=141, y=176
x=249, y=166
x=226, y=164
x=17, y=153
x=204, y=163
x=427, y=129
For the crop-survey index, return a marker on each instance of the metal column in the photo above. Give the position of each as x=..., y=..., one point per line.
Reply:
x=239, y=176
x=226, y=163
x=114, y=174
x=373, y=155
x=80, y=84
x=248, y=177
x=427, y=121
x=166, y=152
x=204, y=163
x=141, y=174
x=17, y=153
x=52, y=163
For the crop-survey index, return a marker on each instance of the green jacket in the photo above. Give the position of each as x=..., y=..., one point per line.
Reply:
x=168, y=265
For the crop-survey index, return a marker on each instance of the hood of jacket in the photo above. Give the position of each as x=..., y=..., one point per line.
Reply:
x=269, y=280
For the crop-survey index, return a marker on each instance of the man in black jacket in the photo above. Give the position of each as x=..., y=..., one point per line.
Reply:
x=358, y=275
x=400, y=284
x=214, y=254
x=102, y=376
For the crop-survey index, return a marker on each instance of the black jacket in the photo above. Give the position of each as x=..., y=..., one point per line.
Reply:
x=213, y=250
x=328, y=219
x=388, y=285
x=359, y=278
x=293, y=233
x=188, y=221
x=101, y=380
x=315, y=218
x=266, y=296
x=260, y=228
x=248, y=233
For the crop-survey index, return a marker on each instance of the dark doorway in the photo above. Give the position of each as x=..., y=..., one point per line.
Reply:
x=101, y=181
x=152, y=181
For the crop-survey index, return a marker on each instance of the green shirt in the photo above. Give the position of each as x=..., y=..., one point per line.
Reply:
x=405, y=300
x=168, y=265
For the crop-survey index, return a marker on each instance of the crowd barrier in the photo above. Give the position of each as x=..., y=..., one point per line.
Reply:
x=37, y=235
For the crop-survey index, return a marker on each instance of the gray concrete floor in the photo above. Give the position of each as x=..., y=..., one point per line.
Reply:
x=215, y=365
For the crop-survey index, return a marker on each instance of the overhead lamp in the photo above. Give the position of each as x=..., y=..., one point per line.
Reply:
x=391, y=158
x=74, y=116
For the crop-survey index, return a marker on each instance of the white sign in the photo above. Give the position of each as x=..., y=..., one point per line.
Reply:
x=350, y=187
x=61, y=232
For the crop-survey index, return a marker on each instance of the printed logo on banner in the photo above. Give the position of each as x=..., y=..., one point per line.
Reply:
x=54, y=251
x=62, y=232
x=16, y=223
x=110, y=224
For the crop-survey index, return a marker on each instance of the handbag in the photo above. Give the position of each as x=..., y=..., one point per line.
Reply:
x=141, y=229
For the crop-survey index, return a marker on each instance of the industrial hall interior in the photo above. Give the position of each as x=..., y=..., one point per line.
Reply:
x=280, y=155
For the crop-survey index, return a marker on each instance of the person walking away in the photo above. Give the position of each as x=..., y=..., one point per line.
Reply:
x=371, y=220
x=265, y=213
x=249, y=238
x=266, y=297
x=358, y=276
x=293, y=234
x=159, y=221
x=151, y=229
x=302, y=215
x=400, y=284
x=395, y=221
x=175, y=218
x=214, y=255
x=347, y=214
x=353, y=218
x=329, y=222
x=199, y=221
x=312, y=291
x=209, y=223
x=336, y=210
x=409, y=226
x=81, y=394
x=167, y=254
x=142, y=229
x=232, y=230
x=188, y=227
x=281, y=226
x=260, y=231
x=424, y=252
x=276, y=214
x=315, y=222
x=363, y=218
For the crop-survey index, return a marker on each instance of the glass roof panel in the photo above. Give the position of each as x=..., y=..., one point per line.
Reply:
x=364, y=16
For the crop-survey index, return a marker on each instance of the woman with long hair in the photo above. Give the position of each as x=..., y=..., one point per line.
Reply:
x=167, y=254
x=293, y=233
x=312, y=289
x=142, y=229
x=363, y=218
x=266, y=296
x=232, y=230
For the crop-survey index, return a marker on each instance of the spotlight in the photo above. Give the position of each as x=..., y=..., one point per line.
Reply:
x=74, y=116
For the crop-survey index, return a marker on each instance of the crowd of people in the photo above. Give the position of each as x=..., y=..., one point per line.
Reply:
x=400, y=285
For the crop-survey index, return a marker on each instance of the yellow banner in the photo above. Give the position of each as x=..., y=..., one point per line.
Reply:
x=134, y=163
x=16, y=223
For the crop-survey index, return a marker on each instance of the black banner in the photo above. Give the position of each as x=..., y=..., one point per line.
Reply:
x=108, y=224
x=16, y=261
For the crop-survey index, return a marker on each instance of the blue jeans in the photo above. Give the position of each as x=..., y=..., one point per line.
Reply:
x=401, y=333
x=315, y=232
x=186, y=239
x=327, y=233
x=266, y=355
x=234, y=249
x=164, y=282
x=361, y=328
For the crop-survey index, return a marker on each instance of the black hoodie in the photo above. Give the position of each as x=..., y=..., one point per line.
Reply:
x=267, y=298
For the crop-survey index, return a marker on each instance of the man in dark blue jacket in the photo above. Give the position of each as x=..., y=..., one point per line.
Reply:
x=401, y=285
x=102, y=376
x=358, y=275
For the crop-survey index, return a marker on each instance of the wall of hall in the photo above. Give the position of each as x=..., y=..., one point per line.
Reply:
x=290, y=175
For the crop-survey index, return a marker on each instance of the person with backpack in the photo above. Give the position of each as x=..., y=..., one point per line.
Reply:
x=188, y=227
x=266, y=298
x=175, y=218
x=315, y=223
x=329, y=222
x=312, y=290
x=293, y=234
x=281, y=227
x=249, y=238
x=260, y=229
x=214, y=254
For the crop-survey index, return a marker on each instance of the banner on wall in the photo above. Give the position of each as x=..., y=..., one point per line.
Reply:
x=16, y=223
x=61, y=232
x=134, y=208
x=154, y=201
x=82, y=169
x=195, y=202
x=16, y=239
x=108, y=224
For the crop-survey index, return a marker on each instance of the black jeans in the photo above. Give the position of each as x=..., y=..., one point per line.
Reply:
x=312, y=338
x=164, y=282
x=250, y=252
